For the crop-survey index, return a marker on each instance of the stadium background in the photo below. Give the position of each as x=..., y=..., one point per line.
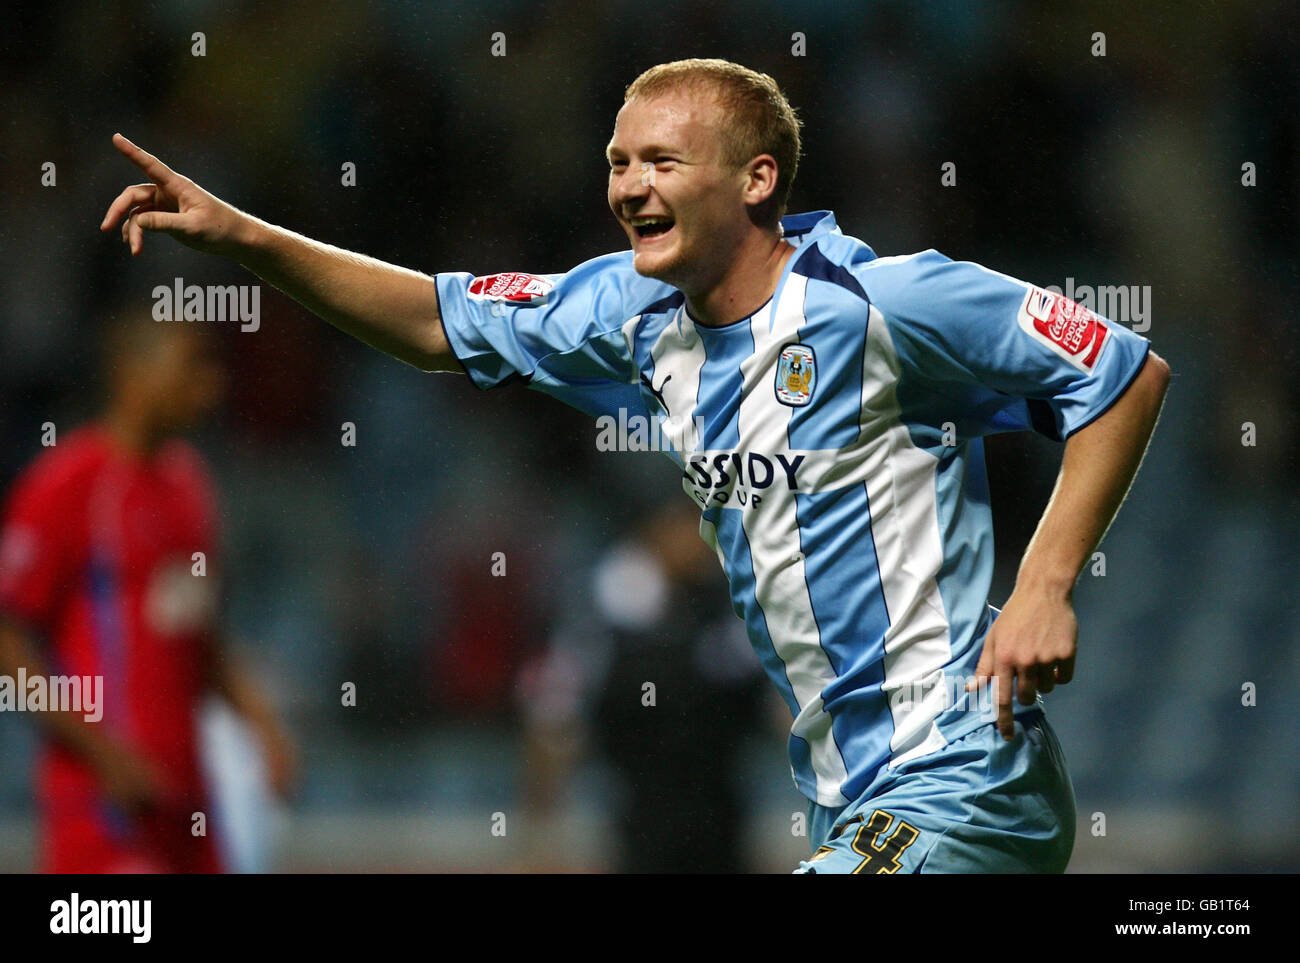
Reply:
x=371, y=564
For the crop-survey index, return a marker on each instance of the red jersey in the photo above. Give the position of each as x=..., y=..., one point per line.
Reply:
x=98, y=557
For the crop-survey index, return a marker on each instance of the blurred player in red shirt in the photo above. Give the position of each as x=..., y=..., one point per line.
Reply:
x=98, y=558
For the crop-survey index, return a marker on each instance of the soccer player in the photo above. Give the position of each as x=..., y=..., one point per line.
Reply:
x=826, y=407
x=97, y=561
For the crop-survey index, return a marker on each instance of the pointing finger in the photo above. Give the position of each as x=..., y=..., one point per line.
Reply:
x=154, y=169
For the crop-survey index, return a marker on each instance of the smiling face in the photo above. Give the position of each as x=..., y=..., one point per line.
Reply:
x=682, y=205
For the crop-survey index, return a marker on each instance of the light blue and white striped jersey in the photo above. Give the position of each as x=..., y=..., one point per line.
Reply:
x=833, y=443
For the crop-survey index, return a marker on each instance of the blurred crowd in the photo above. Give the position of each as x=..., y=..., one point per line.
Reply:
x=373, y=563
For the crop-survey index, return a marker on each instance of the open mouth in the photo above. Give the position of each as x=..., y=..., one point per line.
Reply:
x=650, y=227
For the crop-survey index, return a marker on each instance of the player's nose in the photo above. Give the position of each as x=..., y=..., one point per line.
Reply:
x=631, y=185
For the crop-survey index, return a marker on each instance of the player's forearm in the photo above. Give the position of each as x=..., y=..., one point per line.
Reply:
x=1099, y=466
x=70, y=728
x=390, y=308
x=229, y=679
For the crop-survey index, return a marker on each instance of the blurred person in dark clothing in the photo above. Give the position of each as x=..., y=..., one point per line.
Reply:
x=658, y=678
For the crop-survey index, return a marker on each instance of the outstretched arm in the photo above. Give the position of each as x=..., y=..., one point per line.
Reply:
x=1031, y=646
x=390, y=308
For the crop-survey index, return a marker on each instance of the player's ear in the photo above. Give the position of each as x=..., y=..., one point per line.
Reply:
x=760, y=179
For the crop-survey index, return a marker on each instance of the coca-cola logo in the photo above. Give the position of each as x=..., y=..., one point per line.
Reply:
x=511, y=286
x=1067, y=327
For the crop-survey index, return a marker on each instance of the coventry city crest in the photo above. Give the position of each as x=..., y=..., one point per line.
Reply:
x=796, y=375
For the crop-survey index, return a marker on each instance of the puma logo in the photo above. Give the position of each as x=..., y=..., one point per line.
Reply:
x=658, y=392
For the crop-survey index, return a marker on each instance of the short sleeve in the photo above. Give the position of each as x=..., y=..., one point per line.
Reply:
x=1031, y=358
x=563, y=334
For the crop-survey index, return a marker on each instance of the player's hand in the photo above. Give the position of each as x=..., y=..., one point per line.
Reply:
x=281, y=762
x=131, y=781
x=1029, y=649
x=171, y=204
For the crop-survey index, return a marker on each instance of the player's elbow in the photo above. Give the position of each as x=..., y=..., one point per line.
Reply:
x=1156, y=373
x=430, y=350
x=1146, y=395
x=437, y=355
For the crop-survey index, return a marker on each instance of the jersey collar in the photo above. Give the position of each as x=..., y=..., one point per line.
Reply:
x=798, y=228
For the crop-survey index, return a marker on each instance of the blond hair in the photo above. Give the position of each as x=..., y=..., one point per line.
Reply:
x=759, y=118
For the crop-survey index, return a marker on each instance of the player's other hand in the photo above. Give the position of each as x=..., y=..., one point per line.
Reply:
x=131, y=781
x=1030, y=649
x=281, y=761
x=171, y=204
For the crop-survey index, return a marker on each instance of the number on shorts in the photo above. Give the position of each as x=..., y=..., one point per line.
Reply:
x=879, y=857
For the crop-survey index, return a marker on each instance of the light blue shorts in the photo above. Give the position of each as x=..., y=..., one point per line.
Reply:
x=978, y=805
